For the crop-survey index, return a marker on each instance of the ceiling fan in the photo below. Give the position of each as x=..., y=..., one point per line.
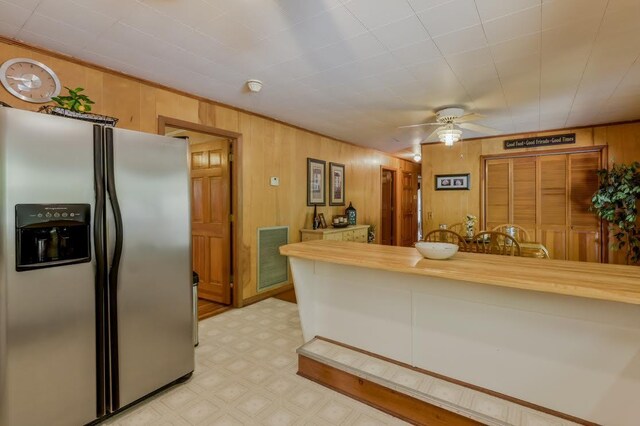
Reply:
x=450, y=122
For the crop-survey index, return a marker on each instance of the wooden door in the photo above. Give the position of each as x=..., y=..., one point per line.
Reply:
x=387, y=236
x=409, y=209
x=553, y=204
x=524, y=199
x=497, y=195
x=585, y=230
x=210, y=219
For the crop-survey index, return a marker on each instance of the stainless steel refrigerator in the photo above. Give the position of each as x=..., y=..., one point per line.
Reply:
x=95, y=268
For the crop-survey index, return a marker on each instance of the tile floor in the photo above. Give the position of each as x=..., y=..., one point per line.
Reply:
x=245, y=374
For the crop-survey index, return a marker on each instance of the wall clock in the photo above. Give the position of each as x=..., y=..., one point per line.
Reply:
x=29, y=80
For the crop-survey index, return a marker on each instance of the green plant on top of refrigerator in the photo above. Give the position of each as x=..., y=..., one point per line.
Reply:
x=75, y=101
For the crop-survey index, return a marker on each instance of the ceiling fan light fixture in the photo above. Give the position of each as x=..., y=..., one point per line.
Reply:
x=417, y=157
x=449, y=135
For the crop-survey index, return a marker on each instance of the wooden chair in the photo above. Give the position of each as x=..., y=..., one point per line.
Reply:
x=457, y=227
x=521, y=234
x=447, y=236
x=491, y=242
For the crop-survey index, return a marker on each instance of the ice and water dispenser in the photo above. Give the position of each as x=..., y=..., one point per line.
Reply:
x=49, y=235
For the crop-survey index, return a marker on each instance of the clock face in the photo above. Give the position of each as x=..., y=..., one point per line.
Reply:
x=29, y=80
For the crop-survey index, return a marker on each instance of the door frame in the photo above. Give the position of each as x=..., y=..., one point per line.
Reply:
x=604, y=162
x=394, y=202
x=235, y=188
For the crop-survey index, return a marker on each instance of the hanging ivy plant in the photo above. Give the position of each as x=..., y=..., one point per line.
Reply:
x=616, y=201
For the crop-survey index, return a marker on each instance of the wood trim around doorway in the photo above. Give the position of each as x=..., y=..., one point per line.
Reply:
x=236, y=190
x=396, y=207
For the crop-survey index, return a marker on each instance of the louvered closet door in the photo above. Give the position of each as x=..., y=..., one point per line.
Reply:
x=553, y=204
x=497, y=193
x=584, y=227
x=524, y=205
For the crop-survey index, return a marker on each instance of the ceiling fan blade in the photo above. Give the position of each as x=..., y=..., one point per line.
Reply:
x=479, y=129
x=472, y=116
x=432, y=134
x=420, y=125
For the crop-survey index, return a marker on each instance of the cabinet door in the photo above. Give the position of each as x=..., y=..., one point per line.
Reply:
x=553, y=204
x=585, y=227
x=497, y=196
x=524, y=205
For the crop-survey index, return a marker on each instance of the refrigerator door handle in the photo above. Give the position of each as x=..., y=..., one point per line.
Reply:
x=113, y=271
x=101, y=269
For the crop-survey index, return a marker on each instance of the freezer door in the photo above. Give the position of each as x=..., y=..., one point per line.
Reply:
x=47, y=316
x=150, y=278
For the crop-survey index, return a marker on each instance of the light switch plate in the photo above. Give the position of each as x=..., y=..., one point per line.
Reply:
x=275, y=181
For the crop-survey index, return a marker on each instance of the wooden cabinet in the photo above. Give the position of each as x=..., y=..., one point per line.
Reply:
x=549, y=195
x=357, y=233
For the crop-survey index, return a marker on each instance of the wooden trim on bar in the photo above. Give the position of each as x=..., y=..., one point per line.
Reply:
x=267, y=294
x=380, y=397
x=465, y=384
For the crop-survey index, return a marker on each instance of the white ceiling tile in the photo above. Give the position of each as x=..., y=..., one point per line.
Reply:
x=148, y=20
x=460, y=41
x=513, y=26
x=9, y=30
x=56, y=30
x=374, y=65
x=114, y=8
x=14, y=14
x=417, y=53
x=231, y=33
x=434, y=73
x=420, y=5
x=193, y=13
x=491, y=9
x=450, y=17
x=77, y=14
x=299, y=10
x=266, y=20
x=379, y=13
x=528, y=66
x=559, y=13
x=516, y=48
x=401, y=33
x=470, y=59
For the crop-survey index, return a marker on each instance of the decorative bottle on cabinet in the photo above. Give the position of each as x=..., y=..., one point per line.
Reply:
x=315, y=217
x=351, y=214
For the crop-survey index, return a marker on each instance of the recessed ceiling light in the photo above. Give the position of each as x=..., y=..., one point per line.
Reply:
x=254, y=85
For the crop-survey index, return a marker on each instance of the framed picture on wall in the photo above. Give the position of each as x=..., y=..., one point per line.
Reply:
x=453, y=182
x=316, y=193
x=336, y=184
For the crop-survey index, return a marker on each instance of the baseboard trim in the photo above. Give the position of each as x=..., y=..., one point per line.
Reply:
x=266, y=294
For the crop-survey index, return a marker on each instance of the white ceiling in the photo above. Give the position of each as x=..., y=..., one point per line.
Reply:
x=357, y=69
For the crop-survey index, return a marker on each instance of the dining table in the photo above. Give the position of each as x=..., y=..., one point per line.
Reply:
x=527, y=248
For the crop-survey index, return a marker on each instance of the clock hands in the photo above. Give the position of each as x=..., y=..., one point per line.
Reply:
x=19, y=78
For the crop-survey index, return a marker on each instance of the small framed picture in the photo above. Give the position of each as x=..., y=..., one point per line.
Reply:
x=323, y=222
x=453, y=182
x=336, y=184
x=316, y=194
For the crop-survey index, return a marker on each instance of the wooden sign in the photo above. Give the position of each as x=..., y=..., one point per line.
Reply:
x=539, y=141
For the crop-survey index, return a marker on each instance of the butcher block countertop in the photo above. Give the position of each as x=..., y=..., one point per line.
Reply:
x=617, y=283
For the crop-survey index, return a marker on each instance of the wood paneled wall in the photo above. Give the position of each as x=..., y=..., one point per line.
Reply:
x=622, y=140
x=270, y=148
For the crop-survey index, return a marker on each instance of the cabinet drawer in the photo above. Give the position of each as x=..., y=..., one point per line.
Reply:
x=360, y=236
x=347, y=236
x=310, y=237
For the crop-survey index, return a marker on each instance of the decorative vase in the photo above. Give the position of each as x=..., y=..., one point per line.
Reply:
x=315, y=217
x=351, y=214
x=470, y=232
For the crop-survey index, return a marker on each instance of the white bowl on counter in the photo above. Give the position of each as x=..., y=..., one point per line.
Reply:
x=437, y=251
